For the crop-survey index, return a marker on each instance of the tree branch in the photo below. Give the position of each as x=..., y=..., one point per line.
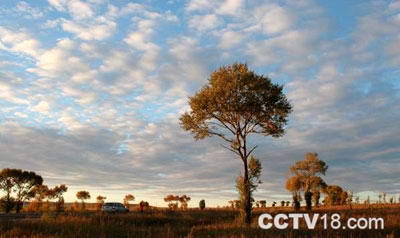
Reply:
x=234, y=151
x=252, y=149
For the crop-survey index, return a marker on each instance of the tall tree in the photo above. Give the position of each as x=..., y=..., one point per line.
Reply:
x=306, y=176
x=23, y=183
x=234, y=104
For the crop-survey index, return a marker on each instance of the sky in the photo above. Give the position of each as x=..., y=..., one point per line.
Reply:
x=91, y=92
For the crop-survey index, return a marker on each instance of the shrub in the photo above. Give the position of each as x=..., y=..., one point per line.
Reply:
x=202, y=204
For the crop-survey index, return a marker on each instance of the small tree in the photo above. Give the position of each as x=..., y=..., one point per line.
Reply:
x=263, y=203
x=41, y=192
x=128, y=198
x=384, y=197
x=235, y=104
x=349, y=199
x=83, y=195
x=100, y=201
x=172, y=201
x=255, y=169
x=202, y=204
x=293, y=184
x=305, y=176
x=143, y=205
x=316, y=196
x=335, y=195
x=57, y=193
x=184, y=201
x=238, y=204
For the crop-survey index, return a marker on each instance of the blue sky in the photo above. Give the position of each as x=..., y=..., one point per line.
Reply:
x=91, y=92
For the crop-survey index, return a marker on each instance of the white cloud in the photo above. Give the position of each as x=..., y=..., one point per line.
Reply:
x=229, y=39
x=394, y=5
x=199, y=5
x=99, y=29
x=28, y=11
x=53, y=61
x=140, y=40
x=231, y=7
x=273, y=19
x=79, y=10
x=8, y=93
x=52, y=23
x=132, y=8
x=205, y=22
x=81, y=96
x=58, y=4
x=20, y=42
x=295, y=47
x=42, y=107
x=21, y=115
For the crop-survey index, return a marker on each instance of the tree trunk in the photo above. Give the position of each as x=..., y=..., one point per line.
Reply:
x=308, y=198
x=247, y=195
x=18, y=206
x=296, y=202
x=8, y=203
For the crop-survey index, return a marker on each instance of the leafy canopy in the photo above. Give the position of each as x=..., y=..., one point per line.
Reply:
x=238, y=102
x=305, y=174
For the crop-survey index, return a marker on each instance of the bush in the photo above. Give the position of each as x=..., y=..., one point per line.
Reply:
x=202, y=204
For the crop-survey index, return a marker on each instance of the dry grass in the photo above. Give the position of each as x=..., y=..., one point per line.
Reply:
x=191, y=223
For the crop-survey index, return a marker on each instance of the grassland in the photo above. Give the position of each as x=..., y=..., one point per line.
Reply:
x=189, y=223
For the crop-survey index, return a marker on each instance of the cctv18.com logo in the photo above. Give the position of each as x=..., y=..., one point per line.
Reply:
x=281, y=221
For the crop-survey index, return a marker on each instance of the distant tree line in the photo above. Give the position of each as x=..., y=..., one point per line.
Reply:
x=19, y=187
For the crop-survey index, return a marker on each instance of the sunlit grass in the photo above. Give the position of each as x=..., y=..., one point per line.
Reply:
x=190, y=223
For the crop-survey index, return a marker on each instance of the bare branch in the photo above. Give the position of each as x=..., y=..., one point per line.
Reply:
x=223, y=123
x=220, y=135
x=251, y=150
x=234, y=151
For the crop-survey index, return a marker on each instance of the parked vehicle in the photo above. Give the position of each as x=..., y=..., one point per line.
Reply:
x=114, y=207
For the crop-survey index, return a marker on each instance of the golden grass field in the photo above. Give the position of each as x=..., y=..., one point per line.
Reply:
x=157, y=222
